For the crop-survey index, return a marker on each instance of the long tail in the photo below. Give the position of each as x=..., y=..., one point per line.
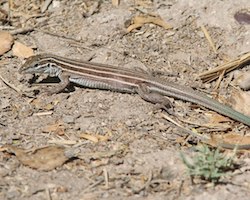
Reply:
x=190, y=95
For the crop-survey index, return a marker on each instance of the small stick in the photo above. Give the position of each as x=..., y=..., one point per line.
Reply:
x=201, y=137
x=219, y=80
x=45, y=5
x=227, y=67
x=94, y=185
x=10, y=85
x=207, y=35
x=43, y=113
x=106, y=178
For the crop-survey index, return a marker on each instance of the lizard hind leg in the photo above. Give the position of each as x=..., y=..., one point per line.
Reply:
x=159, y=100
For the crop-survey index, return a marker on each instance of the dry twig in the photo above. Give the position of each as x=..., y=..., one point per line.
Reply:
x=225, y=68
x=10, y=85
x=207, y=35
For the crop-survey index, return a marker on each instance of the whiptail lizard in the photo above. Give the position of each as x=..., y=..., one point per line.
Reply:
x=100, y=76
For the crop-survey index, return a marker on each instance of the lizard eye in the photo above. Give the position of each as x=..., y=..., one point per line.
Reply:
x=36, y=65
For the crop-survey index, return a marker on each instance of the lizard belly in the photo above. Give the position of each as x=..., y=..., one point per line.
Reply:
x=107, y=85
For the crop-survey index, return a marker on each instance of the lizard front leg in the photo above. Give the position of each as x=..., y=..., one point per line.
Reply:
x=64, y=82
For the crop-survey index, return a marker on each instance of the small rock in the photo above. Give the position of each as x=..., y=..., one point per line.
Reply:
x=22, y=51
x=6, y=41
x=129, y=123
x=69, y=119
x=243, y=80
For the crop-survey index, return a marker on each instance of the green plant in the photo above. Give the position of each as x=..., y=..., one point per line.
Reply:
x=209, y=164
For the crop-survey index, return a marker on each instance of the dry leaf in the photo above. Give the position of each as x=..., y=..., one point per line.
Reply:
x=49, y=106
x=22, y=51
x=103, y=138
x=230, y=141
x=45, y=159
x=57, y=128
x=94, y=138
x=236, y=139
x=40, y=104
x=216, y=118
x=216, y=122
x=241, y=101
x=6, y=41
x=89, y=137
x=140, y=20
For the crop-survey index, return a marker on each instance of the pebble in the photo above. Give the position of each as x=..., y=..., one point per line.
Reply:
x=69, y=119
x=6, y=41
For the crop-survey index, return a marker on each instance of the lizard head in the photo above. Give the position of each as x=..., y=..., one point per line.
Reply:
x=35, y=64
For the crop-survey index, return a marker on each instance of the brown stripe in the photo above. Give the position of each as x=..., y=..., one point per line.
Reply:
x=95, y=70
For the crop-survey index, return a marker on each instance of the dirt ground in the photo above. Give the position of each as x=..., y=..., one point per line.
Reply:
x=125, y=148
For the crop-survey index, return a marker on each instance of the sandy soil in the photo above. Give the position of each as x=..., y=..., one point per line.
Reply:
x=141, y=149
